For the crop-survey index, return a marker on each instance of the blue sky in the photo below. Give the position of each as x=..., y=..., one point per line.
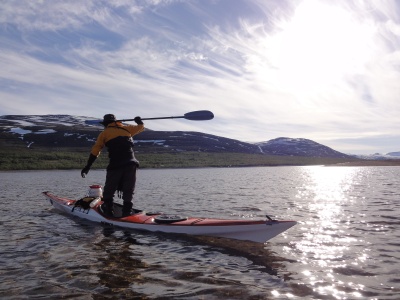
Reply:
x=324, y=70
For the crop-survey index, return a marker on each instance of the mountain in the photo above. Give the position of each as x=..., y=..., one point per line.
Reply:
x=380, y=156
x=298, y=147
x=55, y=131
x=70, y=131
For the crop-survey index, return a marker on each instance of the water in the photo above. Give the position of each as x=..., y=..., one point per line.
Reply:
x=346, y=245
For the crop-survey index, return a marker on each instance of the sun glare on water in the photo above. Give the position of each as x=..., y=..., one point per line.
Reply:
x=319, y=45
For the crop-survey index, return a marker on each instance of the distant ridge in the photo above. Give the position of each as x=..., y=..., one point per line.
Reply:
x=298, y=147
x=54, y=131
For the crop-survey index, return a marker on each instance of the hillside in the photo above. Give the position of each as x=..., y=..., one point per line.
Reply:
x=64, y=141
x=60, y=131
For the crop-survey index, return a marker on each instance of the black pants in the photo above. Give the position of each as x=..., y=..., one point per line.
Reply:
x=123, y=178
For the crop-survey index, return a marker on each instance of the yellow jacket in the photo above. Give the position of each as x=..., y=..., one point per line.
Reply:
x=118, y=140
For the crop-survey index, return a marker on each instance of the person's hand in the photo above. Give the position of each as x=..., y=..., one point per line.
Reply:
x=84, y=171
x=89, y=163
x=138, y=120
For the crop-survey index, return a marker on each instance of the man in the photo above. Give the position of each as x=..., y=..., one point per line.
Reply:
x=121, y=170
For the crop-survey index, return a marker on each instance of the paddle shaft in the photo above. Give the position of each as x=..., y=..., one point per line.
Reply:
x=159, y=118
x=200, y=115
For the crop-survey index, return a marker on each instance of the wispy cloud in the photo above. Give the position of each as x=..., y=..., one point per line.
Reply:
x=317, y=69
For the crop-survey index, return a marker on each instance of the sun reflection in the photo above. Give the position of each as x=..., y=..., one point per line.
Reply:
x=325, y=194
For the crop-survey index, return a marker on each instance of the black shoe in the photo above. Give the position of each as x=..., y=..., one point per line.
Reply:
x=106, y=211
x=127, y=213
x=127, y=209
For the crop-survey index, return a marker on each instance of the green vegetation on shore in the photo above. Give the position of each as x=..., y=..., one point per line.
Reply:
x=67, y=158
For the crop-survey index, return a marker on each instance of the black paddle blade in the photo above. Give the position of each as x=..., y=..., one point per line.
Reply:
x=200, y=115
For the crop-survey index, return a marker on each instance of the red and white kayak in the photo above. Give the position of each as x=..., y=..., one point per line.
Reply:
x=250, y=230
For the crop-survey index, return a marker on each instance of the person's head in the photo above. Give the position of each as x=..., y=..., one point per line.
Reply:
x=107, y=119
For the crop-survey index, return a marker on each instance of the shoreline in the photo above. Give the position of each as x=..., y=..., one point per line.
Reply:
x=68, y=159
x=369, y=163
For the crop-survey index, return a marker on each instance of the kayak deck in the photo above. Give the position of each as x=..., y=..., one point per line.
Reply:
x=250, y=230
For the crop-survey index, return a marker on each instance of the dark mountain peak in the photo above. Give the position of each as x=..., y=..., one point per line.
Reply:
x=298, y=147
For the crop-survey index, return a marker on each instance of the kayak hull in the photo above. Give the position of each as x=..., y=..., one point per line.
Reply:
x=249, y=230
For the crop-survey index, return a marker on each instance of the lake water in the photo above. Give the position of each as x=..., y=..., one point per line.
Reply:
x=346, y=244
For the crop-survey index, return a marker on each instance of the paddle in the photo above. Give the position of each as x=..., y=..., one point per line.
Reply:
x=199, y=115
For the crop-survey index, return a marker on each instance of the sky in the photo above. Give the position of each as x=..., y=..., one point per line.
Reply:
x=323, y=70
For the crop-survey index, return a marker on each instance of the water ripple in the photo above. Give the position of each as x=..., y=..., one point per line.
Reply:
x=344, y=247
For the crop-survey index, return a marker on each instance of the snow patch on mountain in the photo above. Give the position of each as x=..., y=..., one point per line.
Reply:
x=154, y=142
x=45, y=131
x=20, y=131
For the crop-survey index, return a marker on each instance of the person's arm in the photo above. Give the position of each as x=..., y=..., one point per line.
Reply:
x=95, y=152
x=135, y=129
x=89, y=163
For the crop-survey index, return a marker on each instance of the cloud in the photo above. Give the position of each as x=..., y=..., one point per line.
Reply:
x=265, y=68
x=47, y=15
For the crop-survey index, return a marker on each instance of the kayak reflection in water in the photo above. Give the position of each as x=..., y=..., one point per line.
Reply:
x=121, y=170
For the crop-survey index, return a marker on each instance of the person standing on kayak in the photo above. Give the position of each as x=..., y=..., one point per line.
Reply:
x=121, y=170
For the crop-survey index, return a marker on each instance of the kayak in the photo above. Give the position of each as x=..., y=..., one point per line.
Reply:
x=89, y=208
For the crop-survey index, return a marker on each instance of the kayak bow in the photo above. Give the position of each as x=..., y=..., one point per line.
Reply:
x=250, y=230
